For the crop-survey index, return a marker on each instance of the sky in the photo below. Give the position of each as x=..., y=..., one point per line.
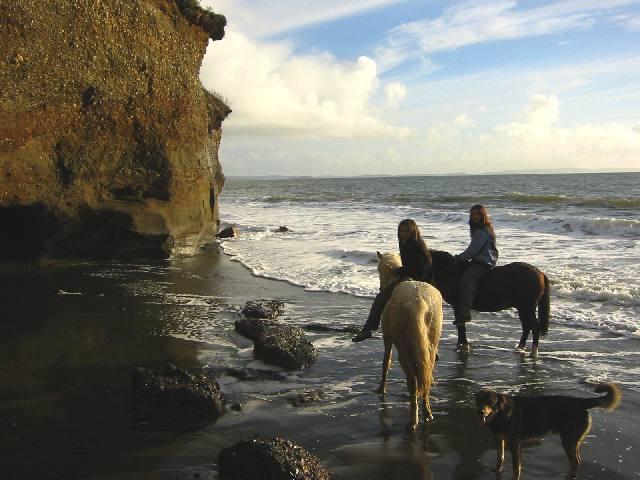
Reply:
x=374, y=87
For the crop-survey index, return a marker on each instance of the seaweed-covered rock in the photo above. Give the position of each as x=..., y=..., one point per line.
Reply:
x=263, y=309
x=254, y=327
x=270, y=459
x=285, y=346
x=172, y=395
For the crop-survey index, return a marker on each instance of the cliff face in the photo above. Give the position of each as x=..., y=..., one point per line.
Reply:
x=108, y=142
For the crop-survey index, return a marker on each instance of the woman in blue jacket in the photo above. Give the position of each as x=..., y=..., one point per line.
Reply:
x=482, y=253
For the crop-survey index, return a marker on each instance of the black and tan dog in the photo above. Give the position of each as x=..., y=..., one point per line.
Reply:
x=517, y=418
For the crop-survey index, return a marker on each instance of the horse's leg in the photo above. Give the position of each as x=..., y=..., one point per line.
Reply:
x=529, y=324
x=536, y=339
x=386, y=364
x=426, y=407
x=413, y=398
x=526, y=328
x=463, y=343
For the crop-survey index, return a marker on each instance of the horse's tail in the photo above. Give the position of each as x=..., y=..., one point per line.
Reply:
x=544, y=307
x=414, y=352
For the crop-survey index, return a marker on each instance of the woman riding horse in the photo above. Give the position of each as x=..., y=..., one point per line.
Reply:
x=416, y=265
x=482, y=253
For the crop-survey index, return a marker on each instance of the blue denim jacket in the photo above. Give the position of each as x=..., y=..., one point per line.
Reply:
x=482, y=248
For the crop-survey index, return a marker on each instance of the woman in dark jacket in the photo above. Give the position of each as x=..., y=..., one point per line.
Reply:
x=482, y=254
x=416, y=265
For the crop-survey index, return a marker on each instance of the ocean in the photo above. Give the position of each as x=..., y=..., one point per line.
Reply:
x=582, y=230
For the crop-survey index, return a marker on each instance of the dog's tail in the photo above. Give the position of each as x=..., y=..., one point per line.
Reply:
x=610, y=401
x=544, y=308
x=414, y=351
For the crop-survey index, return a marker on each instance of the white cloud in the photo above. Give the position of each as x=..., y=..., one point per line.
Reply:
x=538, y=140
x=480, y=21
x=263, y=18
x=543, y=110
x=395, y=93
x=628, y=21
x=274, y=92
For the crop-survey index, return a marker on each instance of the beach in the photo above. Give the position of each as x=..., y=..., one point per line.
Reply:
x=72, y=333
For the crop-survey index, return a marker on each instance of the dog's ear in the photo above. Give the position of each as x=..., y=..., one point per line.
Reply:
x=379, y=255
x=484, y=396
x=502, y=402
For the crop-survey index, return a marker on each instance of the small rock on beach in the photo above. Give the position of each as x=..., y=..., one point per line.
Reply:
x=270, y=459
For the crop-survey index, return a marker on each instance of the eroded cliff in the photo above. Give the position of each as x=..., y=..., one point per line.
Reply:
x=108, y=141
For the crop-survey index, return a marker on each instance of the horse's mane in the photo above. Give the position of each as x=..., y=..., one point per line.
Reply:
x=392, y=259
x=440, y=257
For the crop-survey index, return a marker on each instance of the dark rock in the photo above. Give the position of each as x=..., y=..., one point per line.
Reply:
x=229, y=232
x=236, y=407
x=263, y=308
x=308, y=396
x=253, y=327
x=285, y=346
x=283, y=229
x=270, y=459
x=172, y=395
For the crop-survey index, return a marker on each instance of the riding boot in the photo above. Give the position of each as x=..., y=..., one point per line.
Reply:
x=468, y=288
x=375, y=314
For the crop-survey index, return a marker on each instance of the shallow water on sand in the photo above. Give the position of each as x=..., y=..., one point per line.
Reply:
x=71, y=334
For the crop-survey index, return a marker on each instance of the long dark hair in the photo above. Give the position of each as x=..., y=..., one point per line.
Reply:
x=414, y=235
x=484, y=222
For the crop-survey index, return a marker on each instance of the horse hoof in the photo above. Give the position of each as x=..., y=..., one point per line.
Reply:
x=463, y=348
x=411, y=427
x=520, y=348
x=534, y=352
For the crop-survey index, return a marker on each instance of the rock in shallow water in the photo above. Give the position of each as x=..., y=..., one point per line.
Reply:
x=270, y=459
x=285, y=346
x=252, y=328
x=263, y=309
x=172, y=395
x=230, y=232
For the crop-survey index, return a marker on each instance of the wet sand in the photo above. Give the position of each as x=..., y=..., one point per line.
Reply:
x=71, y=334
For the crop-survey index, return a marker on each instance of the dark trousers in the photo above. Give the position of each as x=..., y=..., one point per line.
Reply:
x=375, y=314
x=468, y=288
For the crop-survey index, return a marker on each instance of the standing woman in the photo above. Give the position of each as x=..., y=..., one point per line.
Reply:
x=416, y=265
x=482, y=253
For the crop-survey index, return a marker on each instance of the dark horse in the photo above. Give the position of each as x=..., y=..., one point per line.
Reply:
x=518, y=285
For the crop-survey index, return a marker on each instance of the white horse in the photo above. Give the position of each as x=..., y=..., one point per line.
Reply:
x=412, y=321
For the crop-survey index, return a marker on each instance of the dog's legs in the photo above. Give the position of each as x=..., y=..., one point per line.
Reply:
x=571, y=448
x=386, y=364
x=500, y=453
x=572, y=439
x=514, y=448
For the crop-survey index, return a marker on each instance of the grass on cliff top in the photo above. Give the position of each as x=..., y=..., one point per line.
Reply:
x=217, y=107
x=205, y=18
